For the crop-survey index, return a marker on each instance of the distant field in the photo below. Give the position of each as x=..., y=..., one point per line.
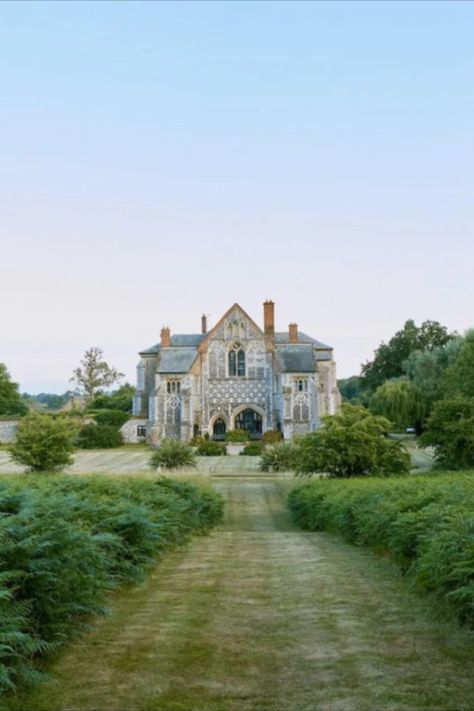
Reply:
x=133, y=459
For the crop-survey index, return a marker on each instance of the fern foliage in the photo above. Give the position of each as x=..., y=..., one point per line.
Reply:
x=65, y=542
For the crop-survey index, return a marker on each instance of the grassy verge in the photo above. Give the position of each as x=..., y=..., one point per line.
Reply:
x=66, y=542
x=426, y=523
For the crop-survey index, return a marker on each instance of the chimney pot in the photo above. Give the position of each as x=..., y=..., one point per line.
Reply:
x=269, y=318
x=293, y=332
x=203, y=324
x=165, y=337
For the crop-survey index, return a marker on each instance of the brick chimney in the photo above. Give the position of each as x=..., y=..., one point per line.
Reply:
x=269, y=318
x=203, y=324
x=293, y=332
x=165, y=337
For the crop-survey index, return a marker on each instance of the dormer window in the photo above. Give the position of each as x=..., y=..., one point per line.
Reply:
x=236, y=361
x=173, y=387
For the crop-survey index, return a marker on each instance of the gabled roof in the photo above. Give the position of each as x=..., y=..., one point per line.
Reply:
x=210, y=333
x=176, y=360
x=296, y=358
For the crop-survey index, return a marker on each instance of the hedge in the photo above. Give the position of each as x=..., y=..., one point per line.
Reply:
x=426, y=523
x=65, y=542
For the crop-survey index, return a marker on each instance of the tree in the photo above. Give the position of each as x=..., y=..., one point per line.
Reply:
x=120, y=399
x=94, y=373
x=44, y=443
x=450, y=430
x=390, y=357
x=350, y=388
x=11, y=402
x=351, y=443
x=459, y=376
x=426, y=369
x=400, y=402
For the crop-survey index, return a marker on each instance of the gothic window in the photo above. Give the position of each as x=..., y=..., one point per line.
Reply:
x=236, y=361
x=173, y=387
x=301, y=385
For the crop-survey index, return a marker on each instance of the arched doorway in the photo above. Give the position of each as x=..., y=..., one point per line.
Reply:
x=218, y=429
x=251, y=421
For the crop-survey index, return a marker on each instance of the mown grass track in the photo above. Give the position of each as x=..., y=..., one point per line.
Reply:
x=260, y=615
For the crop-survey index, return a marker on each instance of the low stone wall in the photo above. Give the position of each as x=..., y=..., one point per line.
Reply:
x=132, y=431
x=8, y=430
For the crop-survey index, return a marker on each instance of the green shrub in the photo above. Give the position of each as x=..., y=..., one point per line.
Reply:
x=197, y=440
x=425, y=522
x=279, y=457
x=173, y=454
x=66, y=541
x=254, y=449
x=272, y=437
x=450, y=429
x=44, y=443
x=99, y=437
x=211, y=449
x=114, y=418
x=351, y=443
x=237, y=436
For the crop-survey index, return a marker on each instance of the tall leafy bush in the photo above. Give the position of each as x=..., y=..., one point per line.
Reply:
x=44, y=443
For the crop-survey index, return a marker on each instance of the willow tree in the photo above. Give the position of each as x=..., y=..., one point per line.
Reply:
x=400, y=402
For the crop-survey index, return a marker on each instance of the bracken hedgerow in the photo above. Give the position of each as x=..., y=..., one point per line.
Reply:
x=425, y=522
x=65, y=542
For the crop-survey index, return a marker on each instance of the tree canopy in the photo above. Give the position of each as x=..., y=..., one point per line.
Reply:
x=351, y=443
x=120, y=399
x=11, y=402
x=94, y=373
x=459, y=375
x=400, y=402
x=390, y=357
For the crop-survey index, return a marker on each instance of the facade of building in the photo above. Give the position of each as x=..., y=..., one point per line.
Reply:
x=234, y=376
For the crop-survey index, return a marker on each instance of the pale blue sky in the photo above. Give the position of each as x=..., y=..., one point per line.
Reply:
x=160, y=160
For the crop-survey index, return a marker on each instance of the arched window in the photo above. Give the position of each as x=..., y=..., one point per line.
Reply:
x=236, y=361
x=301, y=385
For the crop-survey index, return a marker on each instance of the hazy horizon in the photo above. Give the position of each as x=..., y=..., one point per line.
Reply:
x=164, y=160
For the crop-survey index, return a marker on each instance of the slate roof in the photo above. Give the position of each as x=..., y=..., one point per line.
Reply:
x=284, y=337
x=176, y=360
x=178, y=340
x=296, y=358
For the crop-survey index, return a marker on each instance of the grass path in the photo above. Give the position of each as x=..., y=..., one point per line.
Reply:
x=260, y=615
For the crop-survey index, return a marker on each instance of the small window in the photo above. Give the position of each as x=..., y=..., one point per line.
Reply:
x=141, y=431
x=301, y=385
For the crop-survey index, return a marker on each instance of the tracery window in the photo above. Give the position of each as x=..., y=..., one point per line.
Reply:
x=173, y=387
x=236, y=361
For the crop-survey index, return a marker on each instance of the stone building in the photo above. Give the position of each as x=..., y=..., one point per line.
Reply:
x=233, y=376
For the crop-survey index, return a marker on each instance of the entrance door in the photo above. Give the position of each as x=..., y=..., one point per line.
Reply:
x=250, y=421
x=218, y=430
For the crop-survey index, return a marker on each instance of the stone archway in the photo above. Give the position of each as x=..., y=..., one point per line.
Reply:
x=251, y=421
x=219, y=428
